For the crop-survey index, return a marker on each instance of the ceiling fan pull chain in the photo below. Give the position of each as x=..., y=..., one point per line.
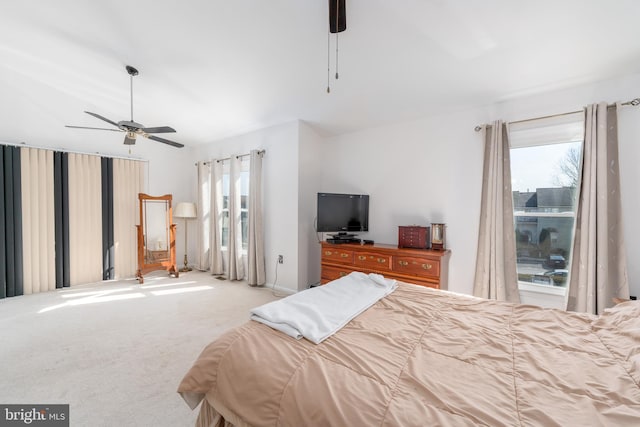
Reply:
x=336, y=56
x=328, y=60
x=131, y=98
x=337, y=34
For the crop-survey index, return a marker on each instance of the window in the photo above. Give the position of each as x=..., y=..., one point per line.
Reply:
x=244, y=199
x=546, y=155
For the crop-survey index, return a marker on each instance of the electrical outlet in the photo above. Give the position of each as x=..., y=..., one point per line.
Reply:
x=280, y=259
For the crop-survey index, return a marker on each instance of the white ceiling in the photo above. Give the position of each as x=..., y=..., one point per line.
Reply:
x=215, y=68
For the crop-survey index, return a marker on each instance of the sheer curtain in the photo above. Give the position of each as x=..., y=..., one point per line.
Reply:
x=257, y=272
x=215, y=237
x=598, y=266
x=496, y=276
x=204, y=216
x=236, y=268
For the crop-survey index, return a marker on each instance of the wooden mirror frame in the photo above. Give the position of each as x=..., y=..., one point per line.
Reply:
x=146, y=264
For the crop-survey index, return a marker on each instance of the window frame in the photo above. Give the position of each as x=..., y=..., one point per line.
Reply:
x=224, y=212
x=537, y=133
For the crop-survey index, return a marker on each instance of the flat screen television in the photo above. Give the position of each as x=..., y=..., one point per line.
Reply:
x=343, y=212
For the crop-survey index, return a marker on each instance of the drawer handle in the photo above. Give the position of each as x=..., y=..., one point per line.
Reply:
x=427, y=266
x=327, y=253
x=344, y=255
x=342, y=274
x=382, y=260
x=405, y=263
x=362, y=257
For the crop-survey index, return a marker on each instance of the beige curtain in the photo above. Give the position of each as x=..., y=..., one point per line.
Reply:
x=85, y=218
x=255, y=258
x=236, y=267
x=204, y=223
x=598, y=266
x=128, y=181
x=38, y=220
x=216, y=265
x=496, y=276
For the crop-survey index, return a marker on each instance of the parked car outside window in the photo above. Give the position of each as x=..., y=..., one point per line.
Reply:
x=556, y=262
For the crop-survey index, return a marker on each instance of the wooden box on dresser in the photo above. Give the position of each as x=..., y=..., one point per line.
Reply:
x=420, y=266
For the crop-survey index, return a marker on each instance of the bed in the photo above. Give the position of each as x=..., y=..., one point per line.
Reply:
x=427, y=357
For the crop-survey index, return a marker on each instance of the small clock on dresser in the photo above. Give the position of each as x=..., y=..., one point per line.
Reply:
x=437, y=236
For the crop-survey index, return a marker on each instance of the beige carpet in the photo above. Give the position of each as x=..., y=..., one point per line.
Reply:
x=116, y=351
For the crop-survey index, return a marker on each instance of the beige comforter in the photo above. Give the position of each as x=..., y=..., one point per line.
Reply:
x=425, y=357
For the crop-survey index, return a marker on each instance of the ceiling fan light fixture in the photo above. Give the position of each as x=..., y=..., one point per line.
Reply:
x=130, y=138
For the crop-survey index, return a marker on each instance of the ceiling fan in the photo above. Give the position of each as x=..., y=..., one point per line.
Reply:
x=131, y=128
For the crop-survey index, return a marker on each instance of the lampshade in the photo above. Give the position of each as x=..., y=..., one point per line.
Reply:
x=185, y=210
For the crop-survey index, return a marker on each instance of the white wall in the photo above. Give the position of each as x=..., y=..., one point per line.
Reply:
x=309, y=172
x=280, y=180
x=430, y=170
x=419, y=172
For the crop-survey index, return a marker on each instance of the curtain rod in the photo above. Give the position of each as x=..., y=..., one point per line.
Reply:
x=634, y=102
x=261, y=152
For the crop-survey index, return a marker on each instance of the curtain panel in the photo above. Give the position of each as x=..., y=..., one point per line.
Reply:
x=236, y=267
x=255, y=259
x=496, y=276
x=85, y=213
x=61, y=206
x=38, y=220
x=128, y=181
x=203, y=221
x=216, y=265
x=598, y=265
x=108, y=251
x=11, y=253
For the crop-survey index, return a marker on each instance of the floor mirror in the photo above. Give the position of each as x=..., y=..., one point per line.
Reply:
x=156, y=236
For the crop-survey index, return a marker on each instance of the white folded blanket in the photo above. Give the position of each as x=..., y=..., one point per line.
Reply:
x=320, y=312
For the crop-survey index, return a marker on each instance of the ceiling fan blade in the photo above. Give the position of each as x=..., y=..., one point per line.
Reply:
x=85, y=127
x=160, y=129
x=165, y=141
x=98, y=116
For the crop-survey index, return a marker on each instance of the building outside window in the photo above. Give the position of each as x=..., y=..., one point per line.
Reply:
x=546, y=155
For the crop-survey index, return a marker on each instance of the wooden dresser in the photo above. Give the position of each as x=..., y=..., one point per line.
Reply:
x=420, y=266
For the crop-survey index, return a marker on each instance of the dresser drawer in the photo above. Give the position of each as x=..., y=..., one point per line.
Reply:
x=330, y=273
x=372, y=260
x=416, y=266
x=340, y=256
x=413, y=265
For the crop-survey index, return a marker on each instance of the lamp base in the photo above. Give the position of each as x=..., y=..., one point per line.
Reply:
x=186, y=267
